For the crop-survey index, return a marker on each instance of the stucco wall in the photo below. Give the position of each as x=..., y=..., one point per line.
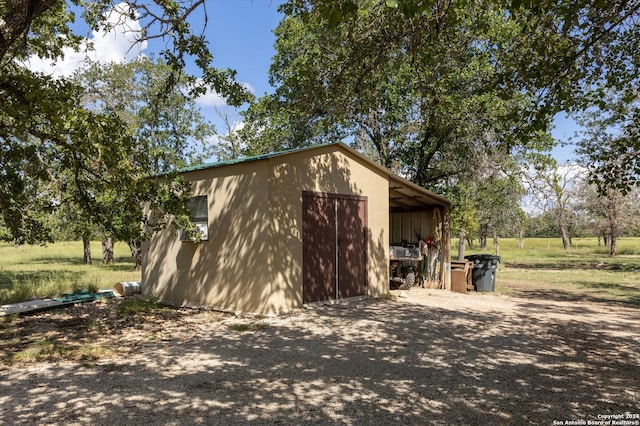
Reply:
x=253, y=258
x=328, y=171
x=230, y=270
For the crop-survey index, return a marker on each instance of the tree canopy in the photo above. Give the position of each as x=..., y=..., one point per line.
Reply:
x=58, y=146
x=434, y=89
x=421, y=101
x=451, y=93
x=609, y=143
x=166, y=131
x=44, y=28
x=428, y=86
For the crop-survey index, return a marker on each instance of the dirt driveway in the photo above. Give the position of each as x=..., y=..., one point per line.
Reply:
x=432, y=357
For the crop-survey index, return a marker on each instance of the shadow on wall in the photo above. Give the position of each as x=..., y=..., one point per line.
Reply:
x=230, y=266
x=253, y=258
x=324, y=174
x=378, y=255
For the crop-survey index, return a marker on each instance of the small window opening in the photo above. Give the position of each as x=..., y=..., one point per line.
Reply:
x=199, y=215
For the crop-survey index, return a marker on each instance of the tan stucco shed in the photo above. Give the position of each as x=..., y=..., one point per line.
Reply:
x=285, y=229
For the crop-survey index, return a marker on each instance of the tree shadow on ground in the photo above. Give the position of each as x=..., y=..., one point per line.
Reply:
x=601, y=293
x=623, y=266
x=375, y=362
x=121, y=263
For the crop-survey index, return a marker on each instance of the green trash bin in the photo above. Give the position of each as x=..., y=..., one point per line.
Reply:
x=483, y=275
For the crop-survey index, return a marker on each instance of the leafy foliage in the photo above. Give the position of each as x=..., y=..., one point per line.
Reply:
x=428, y=86
x=447, y=93
x=610, y=144
x=44, y=27
x=64, y=147
x=168, y=128
x=421, y=91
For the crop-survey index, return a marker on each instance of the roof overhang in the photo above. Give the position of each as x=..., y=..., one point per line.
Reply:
x=407, y=197
x=404, y=195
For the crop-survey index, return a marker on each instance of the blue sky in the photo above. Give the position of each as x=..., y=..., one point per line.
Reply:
x=240, y=33
x=565, y=127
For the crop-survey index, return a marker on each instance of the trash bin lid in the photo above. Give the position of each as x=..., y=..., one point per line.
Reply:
x=482, y=257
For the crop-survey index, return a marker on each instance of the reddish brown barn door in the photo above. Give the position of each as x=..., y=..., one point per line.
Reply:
x=352, y=247
x=319, y=248
x=335, y=246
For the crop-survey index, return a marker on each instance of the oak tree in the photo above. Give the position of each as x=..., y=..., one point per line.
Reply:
x=50, y=141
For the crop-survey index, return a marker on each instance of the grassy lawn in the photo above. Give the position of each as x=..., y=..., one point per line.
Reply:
x=586, y=272
x=30, y=272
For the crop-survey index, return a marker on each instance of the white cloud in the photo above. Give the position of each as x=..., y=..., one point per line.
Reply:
x=237, y=126
x=572, y=173
x=116, y=43
x=211, y=98
x=248, y=87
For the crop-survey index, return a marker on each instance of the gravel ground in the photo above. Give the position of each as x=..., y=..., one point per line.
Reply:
x=425, y=357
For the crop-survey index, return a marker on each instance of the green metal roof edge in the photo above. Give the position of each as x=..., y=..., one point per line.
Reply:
x=249, y=159
x=342, y=145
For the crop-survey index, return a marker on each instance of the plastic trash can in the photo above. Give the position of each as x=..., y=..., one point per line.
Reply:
x=483, y=275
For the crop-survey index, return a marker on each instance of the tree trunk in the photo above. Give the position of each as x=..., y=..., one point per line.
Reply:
x=107, y=251
x=521, y=239
x=613, y=201
x=483, y=237
x=560, y=213
x=496, y=244
x=564, y=232
x=461, y=243
x=613, y=246
x=18, y=19
x=86, y=244
x=566, y=243
x=136, y=253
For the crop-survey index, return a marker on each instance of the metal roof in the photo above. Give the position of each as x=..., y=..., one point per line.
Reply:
x=249, y=159
x=404, y=195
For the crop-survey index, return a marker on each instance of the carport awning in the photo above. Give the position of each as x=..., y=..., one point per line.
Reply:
x=407, y=196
